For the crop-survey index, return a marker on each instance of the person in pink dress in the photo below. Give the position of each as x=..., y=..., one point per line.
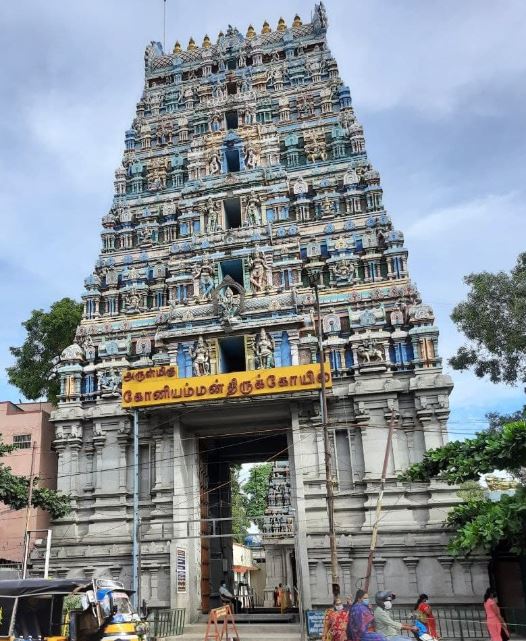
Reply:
x=494, y=620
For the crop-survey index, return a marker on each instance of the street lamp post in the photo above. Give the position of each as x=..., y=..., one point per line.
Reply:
x=313, y=273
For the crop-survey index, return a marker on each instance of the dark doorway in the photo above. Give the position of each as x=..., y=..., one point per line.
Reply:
x=234, y=269
x=232, y=160
x=232, y=213
x=232, y=354
x=231, y=120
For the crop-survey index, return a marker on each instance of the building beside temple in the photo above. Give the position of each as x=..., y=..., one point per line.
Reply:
x=22, y=425
x=245, y=163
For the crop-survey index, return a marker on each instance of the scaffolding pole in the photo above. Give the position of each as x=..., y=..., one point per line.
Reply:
x=379, y=502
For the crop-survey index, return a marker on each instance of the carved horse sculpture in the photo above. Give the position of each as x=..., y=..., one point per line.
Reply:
x=370, y=354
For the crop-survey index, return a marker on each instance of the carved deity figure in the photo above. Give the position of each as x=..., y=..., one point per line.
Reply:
x=369, y=353
x=212, y=217
x=264, y=350
x=157, y=172
x=253, y=212
x=228, y=303
x=216, y=121
x=204, y=276
x=257, y=274
x=109, y=383
x=315, y=150
x=133, y=301
x=214, y=165
x=251, y=158
x=344, y=271
x=200, y=357
x=250, y=115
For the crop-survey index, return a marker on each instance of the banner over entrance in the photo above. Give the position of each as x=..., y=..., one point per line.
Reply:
x=140, y=390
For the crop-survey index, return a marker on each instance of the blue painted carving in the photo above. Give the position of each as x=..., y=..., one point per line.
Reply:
x=285, y=352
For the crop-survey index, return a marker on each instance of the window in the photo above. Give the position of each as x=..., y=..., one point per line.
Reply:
x=232, y=354
x=234, y=269
x=231, y=88
x=232, y=159
x=146, y=471
x=231, y=118
x=22, y=441
x=232, y=213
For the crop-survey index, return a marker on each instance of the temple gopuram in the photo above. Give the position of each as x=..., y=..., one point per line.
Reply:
x=244, y=168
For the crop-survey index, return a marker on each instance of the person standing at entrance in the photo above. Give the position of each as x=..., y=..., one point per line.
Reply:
x=227, y=598
x=496, y=624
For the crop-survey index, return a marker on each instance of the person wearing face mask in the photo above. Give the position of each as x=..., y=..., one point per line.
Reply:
x=425, y=615
x=384, y=621
x=335, y=627
x=361, y=620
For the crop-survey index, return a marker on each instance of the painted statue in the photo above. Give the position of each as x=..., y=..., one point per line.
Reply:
x=264, y=350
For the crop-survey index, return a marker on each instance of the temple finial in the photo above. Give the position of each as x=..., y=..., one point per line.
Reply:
x=297, y=21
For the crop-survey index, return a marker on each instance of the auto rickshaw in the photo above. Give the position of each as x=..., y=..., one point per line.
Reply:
x=68, y=610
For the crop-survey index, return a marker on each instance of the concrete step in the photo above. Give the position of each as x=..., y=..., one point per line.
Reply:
x=247, y=632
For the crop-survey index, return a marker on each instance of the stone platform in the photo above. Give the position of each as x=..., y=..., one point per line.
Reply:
x=247, y=632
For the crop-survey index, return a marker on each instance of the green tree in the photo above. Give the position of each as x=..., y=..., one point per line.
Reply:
x=14, y=490
x=478, y=522
x=48, y=333
x=256, y=490
x=493, y=319
x=240, y=520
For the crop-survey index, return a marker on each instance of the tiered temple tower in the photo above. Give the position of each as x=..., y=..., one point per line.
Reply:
x=245, y=163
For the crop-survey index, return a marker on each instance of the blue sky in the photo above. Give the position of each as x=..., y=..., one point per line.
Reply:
x=440, y=88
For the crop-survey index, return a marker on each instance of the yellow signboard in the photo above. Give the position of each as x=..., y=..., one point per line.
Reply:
x=146, y=387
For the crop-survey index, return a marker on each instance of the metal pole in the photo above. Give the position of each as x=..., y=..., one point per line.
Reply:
x=139, y=564
x=328, y=462
x=28, y=512
x=48, y=554
x=379, y=504
x=135, y=527
x=26, y=534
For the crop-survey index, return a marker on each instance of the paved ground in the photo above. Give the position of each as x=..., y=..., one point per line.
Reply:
x=247, y=632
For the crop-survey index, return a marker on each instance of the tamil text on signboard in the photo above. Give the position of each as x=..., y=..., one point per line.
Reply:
x=181, y=569
x=160, y=386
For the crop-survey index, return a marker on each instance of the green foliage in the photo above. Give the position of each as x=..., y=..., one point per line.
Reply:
x=249, y=499
x=489, y=525
x=478, y=522
x=493, y=319
x=48, y=333
x=240, y=521
x=460, y=461
x=256, y=489
x=14, y=491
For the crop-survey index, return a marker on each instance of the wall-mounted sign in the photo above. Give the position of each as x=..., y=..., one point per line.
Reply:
x=180, y=569
x=314, y=621
x=139, y=390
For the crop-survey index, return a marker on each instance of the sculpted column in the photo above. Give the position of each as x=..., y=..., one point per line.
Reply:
x=123, y=439
x=297, y=488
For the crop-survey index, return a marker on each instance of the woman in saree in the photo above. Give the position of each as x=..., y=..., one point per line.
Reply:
x=425, y=615
x=360, y=626
x=335, y=628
